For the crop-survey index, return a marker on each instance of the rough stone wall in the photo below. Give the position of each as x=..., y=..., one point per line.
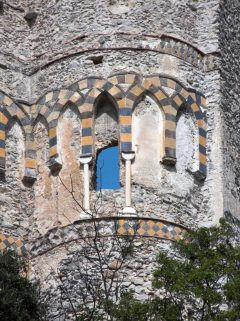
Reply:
x=72, y=40
x=63, y=261
x=63, y=30
x=230, y=66
x=16, y=199
x=58, y=263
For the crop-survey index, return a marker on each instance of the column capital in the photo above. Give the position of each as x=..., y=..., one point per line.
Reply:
x=85, y=159
x=128, y=155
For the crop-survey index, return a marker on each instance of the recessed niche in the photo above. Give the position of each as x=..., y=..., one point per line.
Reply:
x=31, y=17
x=1, y=7
x=97, y=60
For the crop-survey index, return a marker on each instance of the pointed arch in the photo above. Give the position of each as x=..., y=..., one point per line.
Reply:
x=30, y=152
x=176, y=100
x=44, y=104
x=171, y=108
x=68, y=133
x=186, y=141
x=106, y=118
x=50, y=107
x=194, y=100
x=202, y=135
x=15, y=134
x=9, y=110
x=65, y=97
x=147, y=140
x=134, y=94
x=88, y=83
x=86, y=111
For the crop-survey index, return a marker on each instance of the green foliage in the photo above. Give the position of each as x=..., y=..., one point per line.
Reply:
x=204, y=283
x=130, y=309
x=19, y=299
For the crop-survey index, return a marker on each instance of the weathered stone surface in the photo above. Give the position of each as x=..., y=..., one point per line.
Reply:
x=197, y=42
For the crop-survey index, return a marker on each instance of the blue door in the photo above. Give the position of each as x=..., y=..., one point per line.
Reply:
x=108, y=169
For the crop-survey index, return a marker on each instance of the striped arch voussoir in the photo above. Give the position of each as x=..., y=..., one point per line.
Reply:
x=125, y=115
x=202, y=130
x=86, y=112
x=83, y=95
x=170, y=108
x=124, y=78
x=64, y=97
x=51, y=106
x=9, y=110
x=88, y=83
x=172, y=84
x=199, y=98
x=45, y=104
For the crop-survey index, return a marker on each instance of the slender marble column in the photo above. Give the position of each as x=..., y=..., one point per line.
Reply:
x=86, y=160
x=128, y=210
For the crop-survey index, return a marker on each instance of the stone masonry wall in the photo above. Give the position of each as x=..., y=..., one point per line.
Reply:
x=71, y=40
x=191, y=46
x=230, y=66
x=63, y=260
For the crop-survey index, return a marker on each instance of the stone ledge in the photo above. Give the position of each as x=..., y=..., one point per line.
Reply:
x=159, y=43
x=122, y=226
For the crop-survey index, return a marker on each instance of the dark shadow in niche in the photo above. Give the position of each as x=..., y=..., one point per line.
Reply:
x=105, y=121
x=97, y=60
x=105, y=105
x=27, y=184
x=31, y=18
x=169, y=167
x=2, y=176
x=1, y=8
x=198, y=182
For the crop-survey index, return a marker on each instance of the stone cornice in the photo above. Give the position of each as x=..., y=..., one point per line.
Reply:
x=121, y=41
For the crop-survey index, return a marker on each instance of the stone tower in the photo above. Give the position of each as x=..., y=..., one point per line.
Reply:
x=158, y=80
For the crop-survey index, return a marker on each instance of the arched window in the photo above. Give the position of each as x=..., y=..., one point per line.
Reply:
x=147, y=136
x=106, y=122
x=186, y=141
x=69, y=131
x=106, y=144
x=15, y=149
x=107, y=169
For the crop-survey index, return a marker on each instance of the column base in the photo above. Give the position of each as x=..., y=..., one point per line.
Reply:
x=128, y=211
x=86, y=215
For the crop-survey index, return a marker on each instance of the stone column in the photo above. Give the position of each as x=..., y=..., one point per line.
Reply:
x=128, y=157
x=86, y=160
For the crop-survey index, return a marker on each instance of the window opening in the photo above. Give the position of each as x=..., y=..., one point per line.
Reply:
x=107, y=169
